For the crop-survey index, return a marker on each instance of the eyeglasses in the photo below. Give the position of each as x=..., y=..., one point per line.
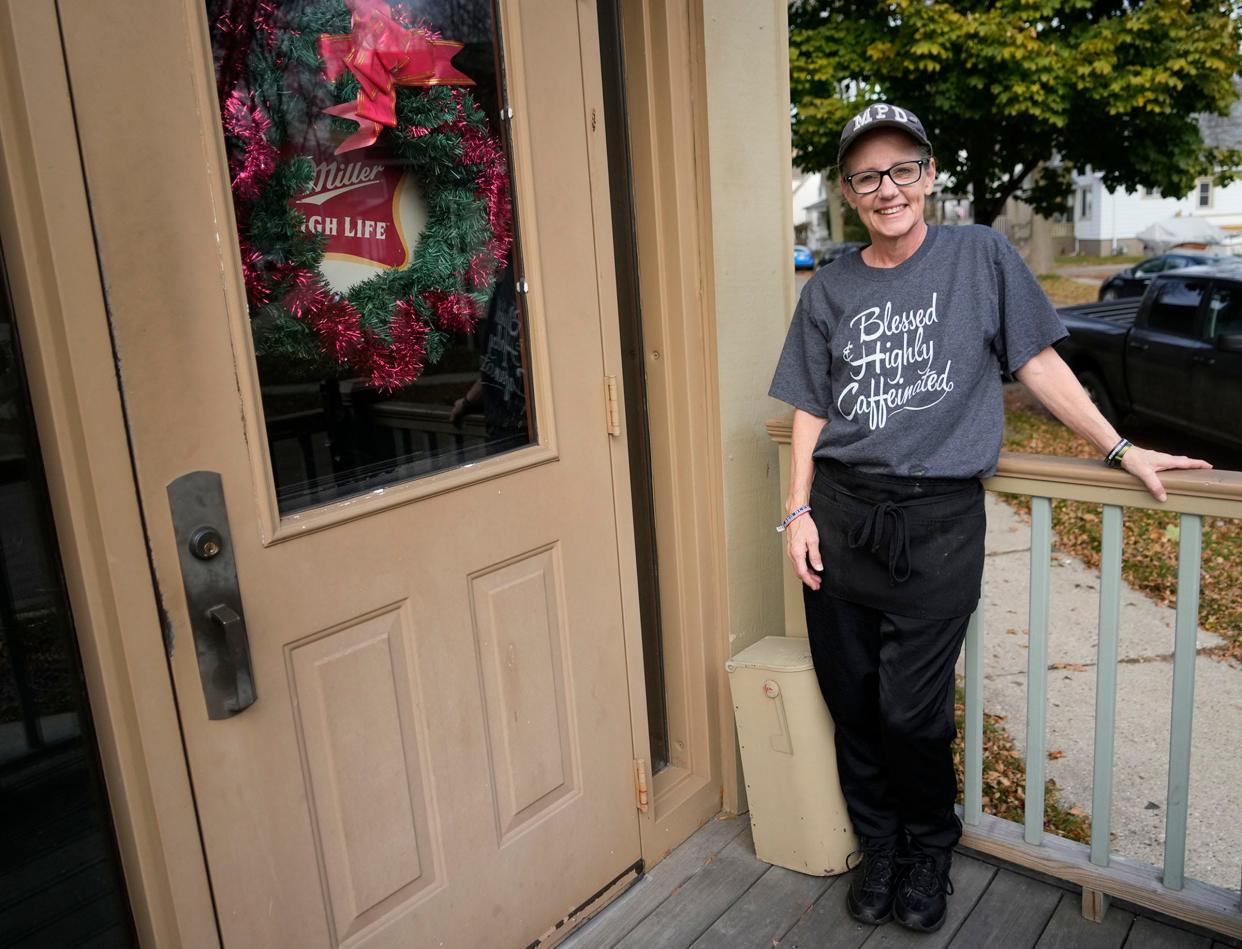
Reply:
x=903, y=174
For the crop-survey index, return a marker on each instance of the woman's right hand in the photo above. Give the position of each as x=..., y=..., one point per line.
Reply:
x=802, y=549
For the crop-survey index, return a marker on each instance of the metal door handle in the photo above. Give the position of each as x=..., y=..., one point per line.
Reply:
x=1134, y=344
x=213, y=598
x=236, y=658
x=1204, y=358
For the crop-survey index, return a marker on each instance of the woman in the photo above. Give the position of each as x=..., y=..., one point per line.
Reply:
x=893, y=364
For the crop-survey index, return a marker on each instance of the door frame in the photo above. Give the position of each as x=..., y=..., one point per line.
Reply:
x=62, y=317
x=62, y=314
x=666, y=92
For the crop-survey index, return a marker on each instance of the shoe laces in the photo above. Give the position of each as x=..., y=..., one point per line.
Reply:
x=926, y=874
x=879, y=864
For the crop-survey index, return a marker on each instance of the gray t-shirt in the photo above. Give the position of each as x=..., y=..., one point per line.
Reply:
x=905, y=362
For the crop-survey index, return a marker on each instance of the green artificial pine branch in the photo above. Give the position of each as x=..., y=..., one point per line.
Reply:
x=287, y=80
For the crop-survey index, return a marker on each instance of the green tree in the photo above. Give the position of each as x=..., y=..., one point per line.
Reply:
x=1003, y=86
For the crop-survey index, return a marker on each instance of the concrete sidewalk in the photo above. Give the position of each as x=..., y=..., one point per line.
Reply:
x=1144, y=691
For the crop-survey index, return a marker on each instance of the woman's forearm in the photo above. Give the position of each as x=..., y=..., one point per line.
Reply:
x=1054, y=384
x=806, y=429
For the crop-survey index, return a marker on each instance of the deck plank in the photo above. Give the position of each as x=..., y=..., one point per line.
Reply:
x=713, y=893
x=1012, y=913
x=766, y=911
x=827, y=925
x=1069, y=929
x=655, y=886
x=1149, y=934
x=971, y=879
x=701, y=900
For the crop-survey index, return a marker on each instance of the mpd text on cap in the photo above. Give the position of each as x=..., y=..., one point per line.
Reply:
x=881, y=115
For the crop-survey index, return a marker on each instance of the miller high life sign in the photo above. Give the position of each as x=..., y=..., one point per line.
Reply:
x=370, y=210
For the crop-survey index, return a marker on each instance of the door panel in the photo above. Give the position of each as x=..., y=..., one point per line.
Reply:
x=440, y=753
x=1160, y=356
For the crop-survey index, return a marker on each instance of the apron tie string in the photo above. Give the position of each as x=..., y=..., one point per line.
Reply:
x=874, y=528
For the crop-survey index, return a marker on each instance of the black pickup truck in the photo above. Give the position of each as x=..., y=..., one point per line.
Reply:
x=1172, y=356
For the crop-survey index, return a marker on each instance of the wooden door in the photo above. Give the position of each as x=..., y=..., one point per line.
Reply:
x=440, y=753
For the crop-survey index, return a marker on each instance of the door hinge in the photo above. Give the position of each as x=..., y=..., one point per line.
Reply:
x=640, y=784
x=614, y=412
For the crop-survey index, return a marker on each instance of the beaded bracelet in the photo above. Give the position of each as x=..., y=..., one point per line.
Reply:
x=792, y=516
x=1113, y=459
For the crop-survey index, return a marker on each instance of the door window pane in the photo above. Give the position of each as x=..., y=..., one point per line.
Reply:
x=370, y=174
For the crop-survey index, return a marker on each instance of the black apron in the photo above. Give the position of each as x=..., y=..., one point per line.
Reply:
x=910, y=546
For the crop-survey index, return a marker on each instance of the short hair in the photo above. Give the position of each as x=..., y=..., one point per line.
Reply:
x=923, y=151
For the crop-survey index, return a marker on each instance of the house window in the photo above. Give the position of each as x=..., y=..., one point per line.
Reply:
x=1084, y=204
x=1203, y=193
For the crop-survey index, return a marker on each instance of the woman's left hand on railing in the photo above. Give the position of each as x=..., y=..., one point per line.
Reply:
x=1143, y=463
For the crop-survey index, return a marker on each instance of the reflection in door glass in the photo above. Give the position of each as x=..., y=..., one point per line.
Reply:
x=60, y=876
x=370, y=178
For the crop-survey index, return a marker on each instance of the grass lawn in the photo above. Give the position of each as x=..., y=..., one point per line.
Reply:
x=1066, y=292
x=1004, y=779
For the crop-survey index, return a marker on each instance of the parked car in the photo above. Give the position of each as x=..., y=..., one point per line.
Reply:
x=838, y=249
x=1173, y=356
x=1132, y=281
x=803, y=258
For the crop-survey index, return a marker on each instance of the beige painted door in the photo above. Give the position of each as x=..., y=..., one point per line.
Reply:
x=440, y=753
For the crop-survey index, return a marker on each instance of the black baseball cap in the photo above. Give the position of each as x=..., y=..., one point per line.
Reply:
x=880, y=115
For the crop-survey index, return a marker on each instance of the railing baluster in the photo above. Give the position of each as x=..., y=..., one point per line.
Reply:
x=1037, y=667
x=1185, y=635
x=973, y=718
x=1106, y=684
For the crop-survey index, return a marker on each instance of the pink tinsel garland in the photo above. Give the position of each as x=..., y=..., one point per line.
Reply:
x=337, y=324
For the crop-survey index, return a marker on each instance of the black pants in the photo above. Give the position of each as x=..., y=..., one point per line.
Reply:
x=903, y=559
x=888, y=681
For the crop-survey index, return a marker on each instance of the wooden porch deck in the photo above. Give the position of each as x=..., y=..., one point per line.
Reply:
x=714, y=893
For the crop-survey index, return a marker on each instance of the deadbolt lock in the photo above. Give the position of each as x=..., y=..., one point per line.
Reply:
x=206, y=542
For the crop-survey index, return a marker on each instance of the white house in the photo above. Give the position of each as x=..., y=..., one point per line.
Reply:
x=1107, y=221
x=810, y=209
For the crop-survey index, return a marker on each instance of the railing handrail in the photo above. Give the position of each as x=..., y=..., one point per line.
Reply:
x=1215, y=492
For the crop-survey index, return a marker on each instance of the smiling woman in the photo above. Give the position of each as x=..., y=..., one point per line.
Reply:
x=887, y=180
x=893, y=362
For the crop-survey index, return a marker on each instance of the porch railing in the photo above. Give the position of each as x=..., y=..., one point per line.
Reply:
x=1099, y=872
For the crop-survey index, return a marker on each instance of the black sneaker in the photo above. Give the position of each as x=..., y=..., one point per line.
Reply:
x=870, y=897
x=924, y=888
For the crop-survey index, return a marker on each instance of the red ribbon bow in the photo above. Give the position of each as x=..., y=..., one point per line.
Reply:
x=382, y=54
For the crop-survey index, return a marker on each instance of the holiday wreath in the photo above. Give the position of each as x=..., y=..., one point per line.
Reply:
x=358, y=70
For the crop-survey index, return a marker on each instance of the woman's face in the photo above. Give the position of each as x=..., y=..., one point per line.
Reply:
x=889, y=213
